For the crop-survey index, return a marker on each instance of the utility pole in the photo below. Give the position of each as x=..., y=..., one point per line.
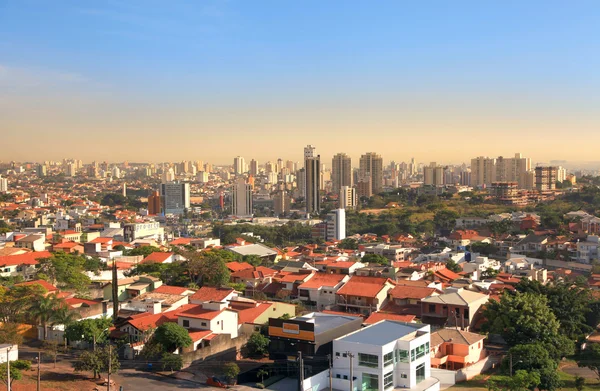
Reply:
x=8, y=369
x=510, y=363
x=115, y=293
x=39, y=378
x=109, y=366
x=300, y=372
x=329, y=357
x=351, y=372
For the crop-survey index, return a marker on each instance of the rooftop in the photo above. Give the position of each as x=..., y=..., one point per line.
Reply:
x=383, y=333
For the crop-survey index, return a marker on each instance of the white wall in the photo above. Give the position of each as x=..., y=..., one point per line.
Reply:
x=318, y=382
x=13, y=353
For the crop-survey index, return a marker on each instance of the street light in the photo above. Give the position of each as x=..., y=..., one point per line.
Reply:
x=511, y=363
x=39, y=378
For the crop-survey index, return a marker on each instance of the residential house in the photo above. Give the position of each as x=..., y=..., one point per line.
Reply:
x=213, y=316
x=254, y=314
x=254, y=276
x=453, y=308
x=160, y=257
x=344, y=267
x=531, y=244
x=364, y=294
x=208, y=294
x=34, y=242
x=587, y=250
x=22, y=265
x=479, y=265
x=455, y=349
x=384, y=356
x=320, y=290
x=129, y=288
x=257, y=249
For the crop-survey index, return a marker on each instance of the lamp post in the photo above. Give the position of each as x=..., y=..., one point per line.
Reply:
x=39, y=377
x=510, y=358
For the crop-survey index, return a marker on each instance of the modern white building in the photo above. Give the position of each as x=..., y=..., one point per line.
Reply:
x=176, y=197
x=3, y=185
x=336, y=224
x=348, y=198
x=384, y=356
x=241, y=198
x=239, y=165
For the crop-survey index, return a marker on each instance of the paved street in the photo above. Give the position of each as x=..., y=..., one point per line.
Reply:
x=133, y=380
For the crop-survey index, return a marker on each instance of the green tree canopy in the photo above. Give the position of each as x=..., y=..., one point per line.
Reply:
x=348, y=244
x=258, y=345
x=453, y=266
x=172, y=336
x=375, y=258
x=87, y=329
x=97, y=361
x=590, y=358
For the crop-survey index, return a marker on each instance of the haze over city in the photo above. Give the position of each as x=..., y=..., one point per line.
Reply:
x=166, y=81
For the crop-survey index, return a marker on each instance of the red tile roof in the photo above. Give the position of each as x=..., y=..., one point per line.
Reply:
x=77, y=302
x=145, y=321
x=171, y=290
x=378, y=316
x=322, y=279
x=101, y=240
x=181, y=241
x=45, y=284
x=67, y=245
x=197, y=312
x=446, y=275
x=249, y=315
x=364, y=286
x=209, y=293
x=237, y=266
x=410, y=292
x=199, y=335
x=157, y=257
x=24, y=259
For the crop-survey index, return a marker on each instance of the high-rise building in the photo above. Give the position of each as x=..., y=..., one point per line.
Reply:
x=348, y=198
x=545, y=178
x=312, y=167
x=341, y=172
x=301, y=182
x=92, y=171
x=465, y=178
x=483, y=171
x=371, y=164
x=281, y=203
x=253, y=167
x=433, y=175
x=41, y=170
x=241, y=198
x=3, y=185
x=168, y=175
x=561, y=174
x=175, y=197
x=239, y=165
x=512, y=169
x=71, y=169
x=336, y=224
x=364, y=188
x=116, y=172
x=154, y=203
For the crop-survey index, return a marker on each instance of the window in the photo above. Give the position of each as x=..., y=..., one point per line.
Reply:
x=412, y=355
x=337, y=354
x=345, y=377
x=203, y=323
x=431, y=307
x=388, y=359
x=368, y=360
x=344, y=354
x=420, y=373
x=186, y=323
x=403, y=356
x=388, y=380
x=420, y=351
x=404, y=376
x=370, y=382
x=427, y=346
x=338, y=376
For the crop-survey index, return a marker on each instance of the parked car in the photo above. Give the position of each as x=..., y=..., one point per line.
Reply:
x=216, y=382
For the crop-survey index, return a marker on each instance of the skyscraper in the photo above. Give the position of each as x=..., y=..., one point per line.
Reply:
x=433, y=175
x=312, y=167
x=41, y=170
x=545, y=178
x=281, y=203
x=241, y=198
x=336, y=224
x=371, y=164
x=3, y=185
x=253, y=167
x=239, y=165
x=483, y=171
x=175, y=197
x=341, y=171
x=347, y=198
x=154, y=203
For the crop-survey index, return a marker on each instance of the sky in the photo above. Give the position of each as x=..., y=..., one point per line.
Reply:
x=443, y=81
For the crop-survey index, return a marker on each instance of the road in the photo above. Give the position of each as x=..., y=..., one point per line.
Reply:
x=133, y=380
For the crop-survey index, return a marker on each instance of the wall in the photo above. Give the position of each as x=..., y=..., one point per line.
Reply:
x=221, y=345
x=446, y=377
x=318, y=382
x=13, y=354
x=471, y=371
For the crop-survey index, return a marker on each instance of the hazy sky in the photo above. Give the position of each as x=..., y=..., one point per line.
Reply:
x=178, y=80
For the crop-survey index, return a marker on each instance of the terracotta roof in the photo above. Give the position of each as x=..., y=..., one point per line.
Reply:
x=146, y=321
x=172, y=290
x=181, y=241
x=77, y=302
x=446, y=274
x=378, y=316
x=249, y=315
x=342, y=264
x=24, y=259
x=199, y=334
x=157, y=257
x=237, y=266
x=410, y=292
x=197, y=312
x=45, y=284
x=209, y=293
x=101, y=240
x=293, y=277
x=455, y=336
x=364, y=286
x=322, y=279
x=66, y=245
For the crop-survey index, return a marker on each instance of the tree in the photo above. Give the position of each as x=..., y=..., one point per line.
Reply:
x=375, y=258
x=590, y=358
x=16, y=302
x=579, y=383
x=151, y=350
x=445, y=219
x=348, y=244
x=523, y=381
x=15, y=370
x=213, y=270
x=530, y=357
x=252, y=259
x=172, y=362
x=44, y=309
x=231, y=371
x=172, y=336
x=453, y=266
x=489, y=273
x=88, y=330
x=64, y=270
x=52, y=348
x=262, y=373
x=522, y=318
x=258, y=345
x=97, y=361
x=9, y=334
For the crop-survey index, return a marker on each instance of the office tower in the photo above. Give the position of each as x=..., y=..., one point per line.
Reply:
x=371, y=164
x=281, y=203
x=41, y=170
x=270, y=167
x=116, y=172
x=3, y=185
x=168, y=176
x=312, y=167
x=241, y=198
x=465, y=178
x=290, y=165
x=347, y=198
x=202, y=176
x=154, y=203
x=199, y=165
x=364, y=187
x=239, y=165
x=336, y=224
x=341, y=172
x=483, y=171
x=561, y=174
x=545, y=178
x=175, y=197
x=433, y=175
x=253, y=167
x=71, y=169
x=301, y=182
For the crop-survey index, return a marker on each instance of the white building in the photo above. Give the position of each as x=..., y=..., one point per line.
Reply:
x=241, y=198
x=239, y=165
x=384, y=356
x=336, y=224
x=3, y=185
x=348, y=198
x=10, y=351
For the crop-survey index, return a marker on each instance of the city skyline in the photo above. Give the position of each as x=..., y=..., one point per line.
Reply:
x=130, y=81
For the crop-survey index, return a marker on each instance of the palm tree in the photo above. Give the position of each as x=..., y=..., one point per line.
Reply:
x=262, y=373
x=43, y=309
x=65, y=317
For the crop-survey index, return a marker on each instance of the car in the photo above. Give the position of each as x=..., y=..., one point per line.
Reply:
x=216, y=382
